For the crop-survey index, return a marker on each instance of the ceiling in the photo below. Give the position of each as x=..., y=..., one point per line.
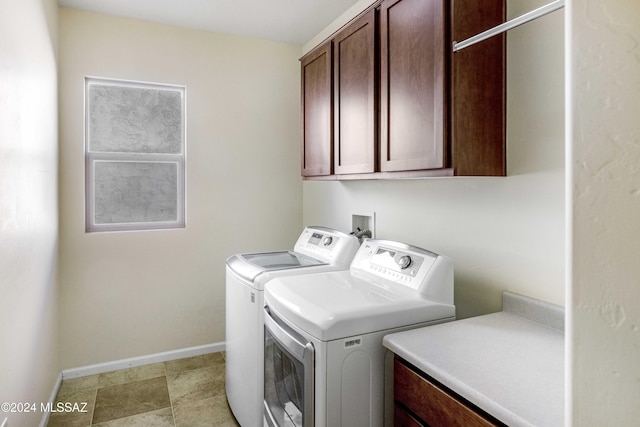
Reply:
x=289, y=21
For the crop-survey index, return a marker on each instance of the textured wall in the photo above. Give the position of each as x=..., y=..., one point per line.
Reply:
x=28, y=206
x=604, y=144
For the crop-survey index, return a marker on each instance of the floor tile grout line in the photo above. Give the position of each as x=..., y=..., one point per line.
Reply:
x=93, y=409
x=173, y=414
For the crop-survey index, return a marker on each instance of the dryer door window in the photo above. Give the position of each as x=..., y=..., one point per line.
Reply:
x=288, y=376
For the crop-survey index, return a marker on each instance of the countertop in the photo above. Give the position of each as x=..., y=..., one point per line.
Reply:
x=510, y=363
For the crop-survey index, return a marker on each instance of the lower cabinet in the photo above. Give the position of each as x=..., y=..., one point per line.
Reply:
x=420, y=401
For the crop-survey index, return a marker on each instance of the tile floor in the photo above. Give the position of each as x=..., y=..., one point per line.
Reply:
x=180, y=393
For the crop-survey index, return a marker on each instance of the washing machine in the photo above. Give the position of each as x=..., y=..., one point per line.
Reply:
x=318, y=249
x=324, y=358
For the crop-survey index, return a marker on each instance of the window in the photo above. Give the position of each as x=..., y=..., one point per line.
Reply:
x=135, y=155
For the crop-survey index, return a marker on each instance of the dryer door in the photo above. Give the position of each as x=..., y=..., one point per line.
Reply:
x=288, y=375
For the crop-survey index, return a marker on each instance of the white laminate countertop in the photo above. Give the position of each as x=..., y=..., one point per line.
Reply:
x=510, y=363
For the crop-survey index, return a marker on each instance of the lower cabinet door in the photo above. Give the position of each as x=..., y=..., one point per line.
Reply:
x=425, y=403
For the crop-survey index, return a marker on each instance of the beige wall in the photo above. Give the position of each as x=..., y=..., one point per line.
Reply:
x=138, y=293
x=604, y=167
x=503, y=233
x=28, y=205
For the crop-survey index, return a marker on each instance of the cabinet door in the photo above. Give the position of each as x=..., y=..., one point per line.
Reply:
x=432, y=405
x=354, y=97
x=317, y=132
x=413, y=82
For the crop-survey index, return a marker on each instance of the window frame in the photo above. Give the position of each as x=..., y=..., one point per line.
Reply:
x=93, y=157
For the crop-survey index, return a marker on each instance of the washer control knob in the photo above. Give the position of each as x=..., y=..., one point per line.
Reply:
x=327, y=240
x=404, y=261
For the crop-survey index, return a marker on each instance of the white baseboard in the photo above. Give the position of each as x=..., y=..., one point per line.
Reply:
x=52, y=398
x=142, y=360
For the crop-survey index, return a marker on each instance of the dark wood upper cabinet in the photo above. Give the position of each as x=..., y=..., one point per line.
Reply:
x=354, y=97
x=478, y=91
x=317, y=117
x=404, y=105
x=413, y=84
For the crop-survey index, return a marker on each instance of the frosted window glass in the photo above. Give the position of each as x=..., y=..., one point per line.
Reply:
x=135, y=192
x=134, y=155
x=134, y=120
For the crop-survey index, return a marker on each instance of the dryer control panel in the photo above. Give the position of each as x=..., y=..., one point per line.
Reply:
x=398, y=264
x=427, y=273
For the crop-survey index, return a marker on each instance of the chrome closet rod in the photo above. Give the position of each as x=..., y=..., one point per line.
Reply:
x=498, y=29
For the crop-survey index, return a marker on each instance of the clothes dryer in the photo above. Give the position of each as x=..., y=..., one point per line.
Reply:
x=324, y=358
x=318, y=249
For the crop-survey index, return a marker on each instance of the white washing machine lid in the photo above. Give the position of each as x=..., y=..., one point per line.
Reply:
x=341, y=304
x=250, y=266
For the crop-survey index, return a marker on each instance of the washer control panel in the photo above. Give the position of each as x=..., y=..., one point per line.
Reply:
x=322, y=240
x=327, y=245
